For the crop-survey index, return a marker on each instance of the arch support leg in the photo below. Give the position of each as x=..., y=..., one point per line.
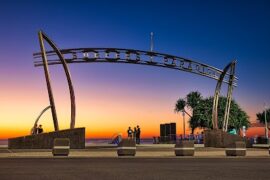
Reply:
x=229, y=98
x=230, y=66
x=215, y=106
x=48, y=81
x=68, y=76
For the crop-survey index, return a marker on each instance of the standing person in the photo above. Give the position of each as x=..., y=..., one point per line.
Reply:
x=40, y=129
x=135, y=134
x=138, y=135
x=129, y=132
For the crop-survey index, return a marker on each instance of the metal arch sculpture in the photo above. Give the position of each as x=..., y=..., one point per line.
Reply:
x=47, y=76
x=132, y=56
x=230, y=66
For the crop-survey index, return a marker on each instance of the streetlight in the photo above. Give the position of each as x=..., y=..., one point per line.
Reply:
x=151, y=41
x=265, y=121
x=184, y=124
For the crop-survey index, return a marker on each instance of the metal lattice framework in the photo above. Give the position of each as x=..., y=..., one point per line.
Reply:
x=132, y=56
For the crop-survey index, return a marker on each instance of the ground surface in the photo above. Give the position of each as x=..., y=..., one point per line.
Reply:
x=147, y=151
x=135, y=168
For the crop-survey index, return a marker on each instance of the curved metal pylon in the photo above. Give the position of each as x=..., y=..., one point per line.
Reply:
x=68, y=76
x=230, y=81
x=48, y=81
x=39, y=116
x=229, y=97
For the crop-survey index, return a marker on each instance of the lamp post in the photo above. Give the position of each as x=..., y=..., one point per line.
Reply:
x=184, y=124
x=151, y=41
x=265, y=122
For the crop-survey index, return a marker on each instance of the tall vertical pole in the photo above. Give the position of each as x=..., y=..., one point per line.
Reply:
x=265, y=121
x=184, y=125
x=152, y=42
x=48, y=81
x=151, y=45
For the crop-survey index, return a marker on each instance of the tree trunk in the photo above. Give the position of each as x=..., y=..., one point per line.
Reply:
x=192, y=130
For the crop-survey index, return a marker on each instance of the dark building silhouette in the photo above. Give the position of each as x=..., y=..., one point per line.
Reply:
x=168, y=132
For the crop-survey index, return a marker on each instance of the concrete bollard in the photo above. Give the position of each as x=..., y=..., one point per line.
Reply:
x=127, y=147
x=61, y=147
x=184, y=148
x=236, y=149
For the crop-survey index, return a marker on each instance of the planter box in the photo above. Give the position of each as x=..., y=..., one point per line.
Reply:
x=184, y=148
x=127, y=147
x=61, y=147
x=219, y=139
x=236, y=149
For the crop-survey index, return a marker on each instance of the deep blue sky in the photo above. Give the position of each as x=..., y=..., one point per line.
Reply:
x=212, y=32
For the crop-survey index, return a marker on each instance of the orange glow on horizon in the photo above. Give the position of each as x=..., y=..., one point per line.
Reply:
x=105, y=111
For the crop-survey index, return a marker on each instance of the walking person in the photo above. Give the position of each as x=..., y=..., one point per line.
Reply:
x=138, y=135
x=135, y=134
x=129, y=132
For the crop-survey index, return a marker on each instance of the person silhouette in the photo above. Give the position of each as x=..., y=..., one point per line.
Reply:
x=138, y=135
x=135, y=134
x=129, y=132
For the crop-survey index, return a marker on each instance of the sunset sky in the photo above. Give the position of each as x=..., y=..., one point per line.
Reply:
x=111, y=97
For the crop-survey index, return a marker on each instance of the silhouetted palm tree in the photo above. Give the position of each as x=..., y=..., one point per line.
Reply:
x=180, y=106
x=193, y=99
x=261, y=117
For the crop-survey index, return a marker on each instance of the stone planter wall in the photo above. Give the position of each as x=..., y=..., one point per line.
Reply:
x=45, y=140
x=219, y=139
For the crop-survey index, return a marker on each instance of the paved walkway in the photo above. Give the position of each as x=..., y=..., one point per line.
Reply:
x=151, y=151
x=135, y=168
x=151, y=162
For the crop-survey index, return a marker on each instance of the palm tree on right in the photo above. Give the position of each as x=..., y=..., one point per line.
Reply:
x=199, y=110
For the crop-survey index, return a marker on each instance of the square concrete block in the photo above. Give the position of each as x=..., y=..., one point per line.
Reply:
x=184, y=148
x=61, y=147
x=236, y=149
x=127, y=147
